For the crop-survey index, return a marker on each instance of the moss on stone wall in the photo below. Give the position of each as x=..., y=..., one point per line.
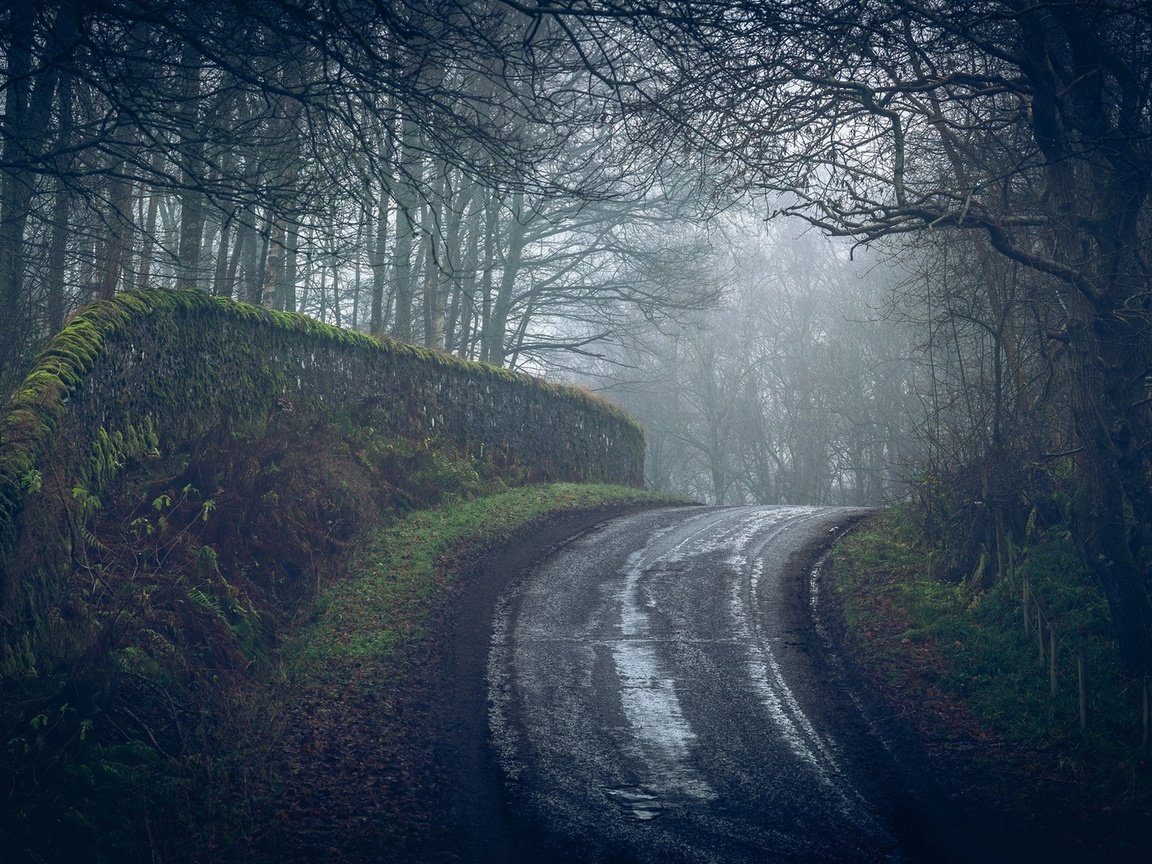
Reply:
x=155, y=372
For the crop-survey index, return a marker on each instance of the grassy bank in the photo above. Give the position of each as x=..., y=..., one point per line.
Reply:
x=363, y=711
x=958, y=662
x=399, y=576
x=197, y=574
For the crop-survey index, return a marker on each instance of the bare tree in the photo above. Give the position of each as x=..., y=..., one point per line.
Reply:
x=1026, y=124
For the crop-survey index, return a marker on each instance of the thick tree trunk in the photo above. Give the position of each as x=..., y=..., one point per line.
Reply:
x=1085, y=118
x=1111, y=512
x=28, y=100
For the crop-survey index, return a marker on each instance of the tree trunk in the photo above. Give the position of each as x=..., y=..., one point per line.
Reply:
x=147, y=249
x=27, y=109
x=451, y=273
x=274, y=267
x=283, y=212
x=1097, y=184
x=465, y=315
x=287, y=300
x=436, y=260
x=61, y=209
x=491, y=233
x=411, y=169
x=191, y=150
x=117, y=240
x=496, y=327
x=377, y=258
x=1111, y=510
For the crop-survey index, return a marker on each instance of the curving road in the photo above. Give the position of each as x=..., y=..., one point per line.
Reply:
x=658, y=692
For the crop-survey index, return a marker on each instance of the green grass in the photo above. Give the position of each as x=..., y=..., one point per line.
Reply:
x=915, y=632
x=399, y=574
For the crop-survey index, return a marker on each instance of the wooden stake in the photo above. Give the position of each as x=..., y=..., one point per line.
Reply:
x=1052, y=662
x=1027, y=598
x=1147, y=711
x=1082, y=680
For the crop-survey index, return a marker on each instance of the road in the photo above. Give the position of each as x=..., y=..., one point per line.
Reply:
x=659, y=692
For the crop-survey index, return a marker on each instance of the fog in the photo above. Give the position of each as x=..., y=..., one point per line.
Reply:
x=634, y=195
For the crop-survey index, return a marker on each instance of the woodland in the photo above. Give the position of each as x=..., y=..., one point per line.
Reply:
x=843, y=251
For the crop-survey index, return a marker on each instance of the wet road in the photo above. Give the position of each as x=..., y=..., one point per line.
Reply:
x=656, y=694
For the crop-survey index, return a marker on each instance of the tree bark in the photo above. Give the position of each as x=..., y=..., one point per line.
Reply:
x=117, y=245
x=27, y=107
x=61, y=208
x=191, y=153
x=411, y=169
x=377, y=261
x=496, y=327
x=1096, y=197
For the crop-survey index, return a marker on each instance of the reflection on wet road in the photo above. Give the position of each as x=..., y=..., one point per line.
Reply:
x=648, y=691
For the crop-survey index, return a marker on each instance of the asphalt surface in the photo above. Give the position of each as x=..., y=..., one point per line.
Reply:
x=659, y=691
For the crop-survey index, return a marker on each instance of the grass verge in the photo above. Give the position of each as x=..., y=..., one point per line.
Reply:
x=398, y=574
x=957, y=663
x=360, y=706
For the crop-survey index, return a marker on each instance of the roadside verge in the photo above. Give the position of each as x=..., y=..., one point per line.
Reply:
x=944, y=682
x=382, y=700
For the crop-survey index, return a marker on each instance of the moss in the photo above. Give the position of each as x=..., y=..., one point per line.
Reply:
x=157, y=372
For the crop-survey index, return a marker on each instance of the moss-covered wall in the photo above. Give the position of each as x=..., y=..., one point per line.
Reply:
x=157, y=371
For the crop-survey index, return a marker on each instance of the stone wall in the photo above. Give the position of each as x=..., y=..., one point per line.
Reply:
x=156, y=371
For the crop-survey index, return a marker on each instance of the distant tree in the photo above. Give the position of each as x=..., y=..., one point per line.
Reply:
x=1025, y=124
x=794, y=390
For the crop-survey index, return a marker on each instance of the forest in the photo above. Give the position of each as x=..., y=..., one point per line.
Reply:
x=828, y=252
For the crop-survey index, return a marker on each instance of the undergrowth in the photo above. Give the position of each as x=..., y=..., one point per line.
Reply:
x=355, y=767
x=190, y=572
x=916, y=633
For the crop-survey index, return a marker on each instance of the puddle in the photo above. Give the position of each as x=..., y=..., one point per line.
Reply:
x=635, y=802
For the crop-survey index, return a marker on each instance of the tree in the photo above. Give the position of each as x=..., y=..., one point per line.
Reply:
x=34, y=68
x=1026, y=124
x=791, y=391
x=238, y=124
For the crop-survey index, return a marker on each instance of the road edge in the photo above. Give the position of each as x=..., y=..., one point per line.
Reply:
x=468, y=789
